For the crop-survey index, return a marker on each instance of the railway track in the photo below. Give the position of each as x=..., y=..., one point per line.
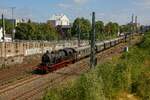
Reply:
x=36, y=89
x=16, y=73
x=29, y=88
x=20, y=83
x=12, y=80
x=30, y=94
x=22, y=95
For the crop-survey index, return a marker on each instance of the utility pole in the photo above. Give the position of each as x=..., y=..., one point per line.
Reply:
x=92, y=37
x=132, y=25
x=3, y=25
x=129, y=68
x=136, y=28
x=131, y=30
x=13, y=20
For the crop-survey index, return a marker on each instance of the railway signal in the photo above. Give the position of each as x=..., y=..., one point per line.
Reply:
x=93, y=47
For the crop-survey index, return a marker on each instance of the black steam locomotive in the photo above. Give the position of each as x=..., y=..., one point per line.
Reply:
x=54, y=60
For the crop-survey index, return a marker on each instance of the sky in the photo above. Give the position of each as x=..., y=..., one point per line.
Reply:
x=119, y=11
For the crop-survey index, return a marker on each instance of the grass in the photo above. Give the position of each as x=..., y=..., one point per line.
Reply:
x=128, y=74
x=87, y=87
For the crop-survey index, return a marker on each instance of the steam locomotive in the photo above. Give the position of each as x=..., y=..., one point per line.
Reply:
x=54, y=60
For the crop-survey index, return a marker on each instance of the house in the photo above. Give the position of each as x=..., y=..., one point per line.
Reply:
x=7, y=37
x=59, y=20
x=1, y=34
x=62, y=24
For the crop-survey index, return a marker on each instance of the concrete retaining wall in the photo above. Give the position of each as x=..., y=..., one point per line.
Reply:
x=20, y=52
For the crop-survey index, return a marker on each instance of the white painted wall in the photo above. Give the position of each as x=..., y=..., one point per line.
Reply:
x=34, y=51
x=1, y=34
x=7, y=39
x=60, y=20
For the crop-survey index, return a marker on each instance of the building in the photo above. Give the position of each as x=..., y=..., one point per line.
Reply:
x=62, y=24
x=145, y=28
x=7, y=37
x=59, y=20
x=1, y=34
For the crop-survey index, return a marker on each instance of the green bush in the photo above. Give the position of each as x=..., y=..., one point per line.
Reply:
x=114, y=77
x=105, y=71
x=128, y=74
x=146, y=41
x=87, y=87
x=143, y=88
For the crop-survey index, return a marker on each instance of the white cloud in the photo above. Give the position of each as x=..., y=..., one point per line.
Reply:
x=80, y=1
x=62, y=5
x=142, y=3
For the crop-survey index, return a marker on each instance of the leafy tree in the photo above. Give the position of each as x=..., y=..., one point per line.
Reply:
x=115, y=27
x=35, y=31
x=99, y=29
x=49, y=31
x=111, y=28
x=125, y=28
x=8, y=26
x=85, y=28
x=25, y=31
x=108, y=27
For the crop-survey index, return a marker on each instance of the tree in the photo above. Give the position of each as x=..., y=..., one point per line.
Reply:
x=49, y=32
x=99, y=29
x=115, y=28
x=35, y=31
x=85, y=28
x=8, y=26
x=111, y=28
x=25, y=31
x=125, y=28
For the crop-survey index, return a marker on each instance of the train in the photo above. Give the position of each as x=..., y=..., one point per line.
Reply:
x=57, y=59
